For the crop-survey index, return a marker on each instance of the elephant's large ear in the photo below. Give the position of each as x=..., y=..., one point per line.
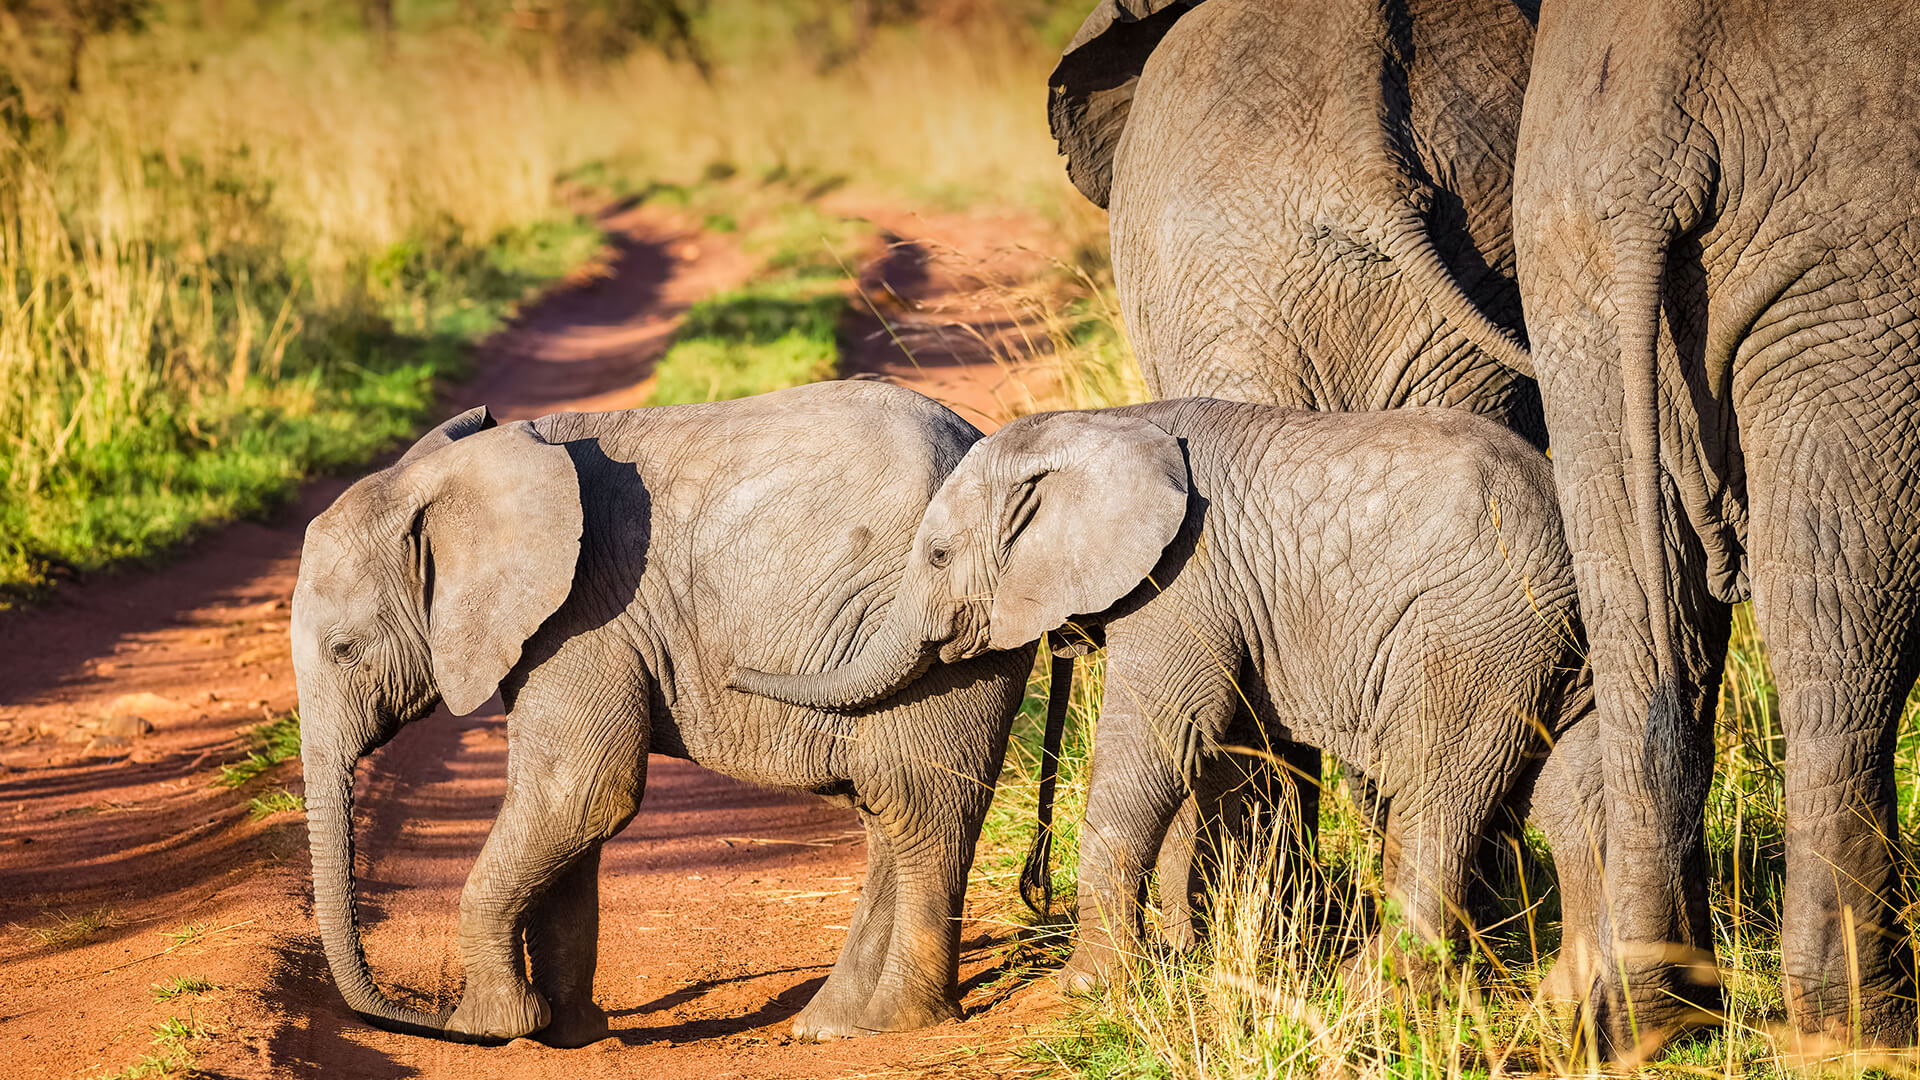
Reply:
x=497, y=537
x=1095, y=500
x=474, y=420
x=1091, y=90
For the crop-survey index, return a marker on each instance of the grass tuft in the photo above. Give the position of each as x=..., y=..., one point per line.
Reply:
x=272, y=743
x=71, y=928
x=181, y=986
x=277, y=801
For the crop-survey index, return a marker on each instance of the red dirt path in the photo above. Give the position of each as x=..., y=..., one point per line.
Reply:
x=723, y=904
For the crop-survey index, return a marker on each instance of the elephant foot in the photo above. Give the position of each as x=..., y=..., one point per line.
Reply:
x=498, y=1011
x=839, y=1019
x=888, y=1013
x=1668, y=1000
x=1090, y=969
x=575, y=1026
x=1886, y=1018
x=1179, y=934
x=1566, y=982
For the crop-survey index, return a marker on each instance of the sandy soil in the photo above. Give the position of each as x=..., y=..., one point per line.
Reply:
x=723, y=904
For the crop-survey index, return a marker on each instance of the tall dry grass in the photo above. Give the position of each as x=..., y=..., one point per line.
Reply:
x=1264, y=996
x=228, y=236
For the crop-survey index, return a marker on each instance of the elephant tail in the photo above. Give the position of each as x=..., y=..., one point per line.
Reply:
x=1641, y=259
x=1412, y=251
x=1036, y=877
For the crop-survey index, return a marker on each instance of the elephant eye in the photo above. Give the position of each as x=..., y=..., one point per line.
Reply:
x=344, y=652
x=939, y=554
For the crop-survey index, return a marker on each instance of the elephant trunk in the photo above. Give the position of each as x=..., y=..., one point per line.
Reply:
x=892, y=658
x=329, y=781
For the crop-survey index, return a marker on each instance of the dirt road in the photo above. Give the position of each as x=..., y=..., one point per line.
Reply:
x=724, y=904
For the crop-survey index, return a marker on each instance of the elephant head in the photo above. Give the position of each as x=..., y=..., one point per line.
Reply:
x=419, y=585
x=1054, y=516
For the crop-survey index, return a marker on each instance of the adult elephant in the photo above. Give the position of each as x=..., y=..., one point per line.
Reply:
x=1310, y=207
x=1310, y=198
x=1718, y=234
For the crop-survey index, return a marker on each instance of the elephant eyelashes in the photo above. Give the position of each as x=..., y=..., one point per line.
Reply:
x=939, y=555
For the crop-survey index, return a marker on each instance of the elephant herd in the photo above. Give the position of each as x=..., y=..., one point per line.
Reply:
x=1673, y=243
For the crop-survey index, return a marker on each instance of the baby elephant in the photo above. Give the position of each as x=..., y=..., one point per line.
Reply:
x=606, y=572
x=1390, y=587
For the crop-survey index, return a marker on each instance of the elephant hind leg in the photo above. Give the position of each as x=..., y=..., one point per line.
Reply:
x=838, y=1007
x=1845, y=953
x=563, y=949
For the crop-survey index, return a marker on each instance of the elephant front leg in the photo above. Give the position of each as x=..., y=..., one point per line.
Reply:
x=1135, y=790
x=543, y=856
x=563, y=944
x=839, y=1008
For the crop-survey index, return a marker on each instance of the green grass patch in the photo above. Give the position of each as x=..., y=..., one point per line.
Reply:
x=181, y=986
x=239, y=385
x=781, y=329
x=277, y=801
x=186, y=935
x=151, y=1065
x=71, y=928
x=753, y=340
x=272, y=743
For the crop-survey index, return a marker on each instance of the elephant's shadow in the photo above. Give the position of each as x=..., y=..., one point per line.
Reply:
x=786, y=1004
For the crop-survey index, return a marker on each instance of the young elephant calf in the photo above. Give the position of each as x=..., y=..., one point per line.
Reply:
x=605, y=572
x=1391, y=587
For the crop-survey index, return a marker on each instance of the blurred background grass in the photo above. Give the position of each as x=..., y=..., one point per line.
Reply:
x=241, y=240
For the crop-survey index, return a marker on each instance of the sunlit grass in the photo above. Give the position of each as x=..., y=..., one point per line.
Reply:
x=241, y=257
x=1263, y=995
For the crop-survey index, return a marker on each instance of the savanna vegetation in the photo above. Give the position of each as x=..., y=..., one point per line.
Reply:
x=245, y=241
x=241, y=241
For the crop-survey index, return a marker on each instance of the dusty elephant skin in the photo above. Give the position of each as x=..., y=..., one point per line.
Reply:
x=1717, y=235
x=1311, y=206
x=1311, y=199
x=1391, y=587
x=606, y=571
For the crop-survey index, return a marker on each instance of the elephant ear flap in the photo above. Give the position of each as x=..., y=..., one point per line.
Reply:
x=1096, y=504
x=1090, y=91
x=496, y=541
x=474, y=420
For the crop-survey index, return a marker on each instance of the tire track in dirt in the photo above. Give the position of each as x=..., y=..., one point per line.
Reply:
x=723, y=904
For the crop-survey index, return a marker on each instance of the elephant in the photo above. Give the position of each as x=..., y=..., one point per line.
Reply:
x=1310, y=199
x=606, y=572
x=1311, y=206
x=1717, y=228
x=1389, y=587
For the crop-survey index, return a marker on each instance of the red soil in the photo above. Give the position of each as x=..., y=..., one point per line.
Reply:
x=723, y=904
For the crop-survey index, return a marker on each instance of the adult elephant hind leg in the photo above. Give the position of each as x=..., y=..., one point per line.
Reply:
x=1836, y=602
x=838, y=1007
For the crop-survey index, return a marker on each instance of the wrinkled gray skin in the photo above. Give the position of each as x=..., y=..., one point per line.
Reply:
x=1311, y=206
x=1718, y=228
x=1391, y=587
x=606, y=571
x=1311, y=199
